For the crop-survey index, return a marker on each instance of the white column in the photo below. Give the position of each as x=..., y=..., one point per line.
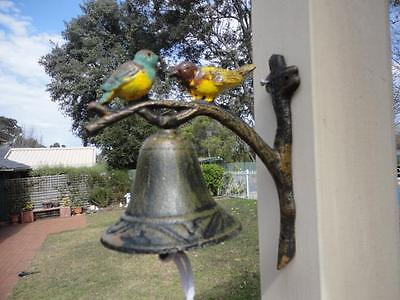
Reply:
x=347, y=223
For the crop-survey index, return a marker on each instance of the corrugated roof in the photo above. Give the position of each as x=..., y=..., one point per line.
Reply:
x=9, y=165
x=68, y=157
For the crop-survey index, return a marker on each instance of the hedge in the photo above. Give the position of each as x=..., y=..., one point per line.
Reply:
x=107, y=186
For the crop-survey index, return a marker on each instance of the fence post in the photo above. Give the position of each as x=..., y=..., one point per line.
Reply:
x=247, y=184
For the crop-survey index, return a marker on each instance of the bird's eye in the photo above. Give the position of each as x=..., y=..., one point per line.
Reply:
x=148, y=54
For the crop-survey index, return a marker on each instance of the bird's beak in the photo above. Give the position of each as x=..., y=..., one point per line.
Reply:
x=172, y=71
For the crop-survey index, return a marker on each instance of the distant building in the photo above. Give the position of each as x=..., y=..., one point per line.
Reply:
x=10, y=169
x=53, y=157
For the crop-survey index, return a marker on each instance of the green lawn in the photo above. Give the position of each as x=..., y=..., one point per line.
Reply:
x=74, y=265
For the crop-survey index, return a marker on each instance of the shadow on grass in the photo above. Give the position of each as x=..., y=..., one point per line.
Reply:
x=245, y=286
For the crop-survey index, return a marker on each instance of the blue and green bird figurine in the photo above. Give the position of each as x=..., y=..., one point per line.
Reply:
x=133, y=79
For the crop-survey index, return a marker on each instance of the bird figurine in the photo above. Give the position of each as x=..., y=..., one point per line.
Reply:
x=133, y=79
x=205, y=83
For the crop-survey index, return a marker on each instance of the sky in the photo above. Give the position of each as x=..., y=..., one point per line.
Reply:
x=27, y=28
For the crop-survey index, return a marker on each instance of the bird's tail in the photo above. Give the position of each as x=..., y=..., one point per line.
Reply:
x=246, y=69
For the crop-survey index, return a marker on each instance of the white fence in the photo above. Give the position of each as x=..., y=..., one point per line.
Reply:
x=240, y=184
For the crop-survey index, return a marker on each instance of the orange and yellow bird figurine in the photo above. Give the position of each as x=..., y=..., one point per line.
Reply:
x=133, y=79
x=205, y=83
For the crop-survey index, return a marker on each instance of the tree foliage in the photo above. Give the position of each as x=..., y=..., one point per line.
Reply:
x=16, y=136
x=120, y=144
x=395, y=36
x=108, y=33
x=212, y=175
x=28, y=139
x=210, y=139
x=9, y=130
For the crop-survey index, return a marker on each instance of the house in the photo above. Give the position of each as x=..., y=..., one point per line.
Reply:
x=10, y=169
x=53, y=157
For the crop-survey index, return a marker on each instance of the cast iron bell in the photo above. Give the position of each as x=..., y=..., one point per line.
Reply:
x=171, y=209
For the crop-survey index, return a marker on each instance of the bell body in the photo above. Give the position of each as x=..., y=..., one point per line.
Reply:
x=171, y=208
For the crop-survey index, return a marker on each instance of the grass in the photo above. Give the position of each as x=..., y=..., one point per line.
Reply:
x=74, y=265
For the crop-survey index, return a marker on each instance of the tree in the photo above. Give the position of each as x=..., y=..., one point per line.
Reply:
x=395, y=36
x=210, y=139
x=120, y=144
x=55, y=145
x=28, y=139
x=226, y=42
x=218, y=32
x=16, y=136
x=109, y=33
x=9, y=130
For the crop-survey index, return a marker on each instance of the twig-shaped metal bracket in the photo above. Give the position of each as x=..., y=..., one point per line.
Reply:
x=281, y=83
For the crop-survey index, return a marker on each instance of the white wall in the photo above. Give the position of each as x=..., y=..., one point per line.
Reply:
x=343, y=152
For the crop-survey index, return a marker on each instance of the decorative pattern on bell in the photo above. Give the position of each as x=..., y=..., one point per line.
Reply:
x=171, y=208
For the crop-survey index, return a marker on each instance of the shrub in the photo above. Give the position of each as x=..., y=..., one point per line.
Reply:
x=95, y=174
x=106, y=186
x=226, y=182
x=100, y=196
x=119, y=184
x=213, y=174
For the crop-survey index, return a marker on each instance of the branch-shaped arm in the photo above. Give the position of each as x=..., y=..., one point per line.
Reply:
x=281, y=83
x=186, y=112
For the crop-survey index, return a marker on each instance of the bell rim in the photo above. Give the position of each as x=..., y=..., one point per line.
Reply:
x=227, y=232
x=171, y=219
x=162, y=250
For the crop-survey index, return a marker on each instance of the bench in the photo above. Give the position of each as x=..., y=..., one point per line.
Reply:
x=46, y=212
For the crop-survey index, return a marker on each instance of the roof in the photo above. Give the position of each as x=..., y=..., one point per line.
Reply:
x=52, y=157
x=9, y=165
x=3, y=150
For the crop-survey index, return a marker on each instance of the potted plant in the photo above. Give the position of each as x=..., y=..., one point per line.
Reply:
x=76, y=205
x=65, y=209
x=27, y=212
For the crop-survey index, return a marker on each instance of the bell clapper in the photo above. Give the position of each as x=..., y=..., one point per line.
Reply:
x=182, y=262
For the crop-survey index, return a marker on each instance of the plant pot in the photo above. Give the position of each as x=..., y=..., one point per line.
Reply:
x=77, y=210
x=65, y=212
x=27, y=216
x=14, y=218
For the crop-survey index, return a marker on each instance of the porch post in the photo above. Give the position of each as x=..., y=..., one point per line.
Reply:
x=347, y=226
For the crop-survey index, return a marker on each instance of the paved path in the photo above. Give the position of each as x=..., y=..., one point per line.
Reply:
x=19, y=243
